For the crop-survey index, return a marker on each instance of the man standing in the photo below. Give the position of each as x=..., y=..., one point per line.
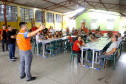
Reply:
x=4, y=37
x=23, y=41
x=11, y=42
x=15, y=30
x=34, y=27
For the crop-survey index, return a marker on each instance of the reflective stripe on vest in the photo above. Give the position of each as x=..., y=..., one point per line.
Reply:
x=21, y=33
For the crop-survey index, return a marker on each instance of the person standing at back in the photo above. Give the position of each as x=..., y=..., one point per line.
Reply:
x=15, y=30
x=4, y=37
x=11, y=35
x=23, y=42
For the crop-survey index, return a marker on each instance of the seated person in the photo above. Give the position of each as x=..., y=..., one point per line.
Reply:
x=79, y=32
x=45, y=31
x=49, y=36
x=56, y=35
x=78, y=43
x=38, y=38
x=108, y=53
x=60, y=34
x=98, y=34
x=75, y=33
x=71, y=39
x=120, y=38
x=52, y=30
x=91, y=38
x=94, y=37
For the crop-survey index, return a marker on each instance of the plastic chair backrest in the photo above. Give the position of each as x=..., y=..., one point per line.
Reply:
x=114, y=54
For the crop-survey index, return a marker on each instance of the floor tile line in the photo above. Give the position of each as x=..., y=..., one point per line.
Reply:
x=83, y=76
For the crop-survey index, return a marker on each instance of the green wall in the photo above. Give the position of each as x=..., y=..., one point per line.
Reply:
x=102, y=19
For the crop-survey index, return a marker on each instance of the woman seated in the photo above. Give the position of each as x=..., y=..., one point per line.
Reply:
x=98, y=34
x=60, y=34
x=56, y=35
x=91, y=38
x=49, y=36
x=78, y=43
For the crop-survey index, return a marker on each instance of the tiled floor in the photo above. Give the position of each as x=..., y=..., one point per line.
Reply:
x=59, y=70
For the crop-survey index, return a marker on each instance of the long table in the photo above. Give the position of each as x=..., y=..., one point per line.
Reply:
x=94, y=46
x=44, y=42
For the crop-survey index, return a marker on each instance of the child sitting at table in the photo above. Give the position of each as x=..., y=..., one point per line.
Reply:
x=78, y=43
x=49, y=36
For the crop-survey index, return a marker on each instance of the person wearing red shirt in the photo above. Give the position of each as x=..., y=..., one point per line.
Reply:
x=75, y=33
x=78, y=43
x=71, y=39
x=34, y=27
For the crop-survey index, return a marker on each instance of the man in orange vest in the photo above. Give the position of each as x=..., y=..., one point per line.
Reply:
x=4, y=37
x=23, y=42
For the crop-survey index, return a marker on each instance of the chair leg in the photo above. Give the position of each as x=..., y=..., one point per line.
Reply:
x=114, y=64
x=33, y=49
x=70, y=57
x=104, y=64
x=51, y=52
x=73, y=57
x=77, y=60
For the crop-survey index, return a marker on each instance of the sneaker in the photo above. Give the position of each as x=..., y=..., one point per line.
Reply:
x=12, y=60
x=32, y=78
x=22, y=77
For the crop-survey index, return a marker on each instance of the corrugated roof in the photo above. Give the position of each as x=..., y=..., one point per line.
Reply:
x=70, y=5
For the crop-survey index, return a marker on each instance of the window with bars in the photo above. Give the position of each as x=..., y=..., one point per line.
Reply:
x=94, y=24
x=38, y=16
x=110, y=24
x=58, y=18
x=50, y=17
x=11, y=13
x=26, y=14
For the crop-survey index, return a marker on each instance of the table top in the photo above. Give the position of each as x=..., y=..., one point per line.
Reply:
x=49, y=40
x=97, y=45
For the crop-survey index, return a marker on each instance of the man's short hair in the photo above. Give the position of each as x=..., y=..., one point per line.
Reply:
x=116, y=37
x=3, y=25
x=9, y=26
x=21, y=24
x=69, y=35
x=119, y=34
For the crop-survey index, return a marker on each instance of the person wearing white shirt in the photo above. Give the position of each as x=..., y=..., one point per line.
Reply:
x=119, y=38
x=52, y=30
x=108, y=53
x=39, y=37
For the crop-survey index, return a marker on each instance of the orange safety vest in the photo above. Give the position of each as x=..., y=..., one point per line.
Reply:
x=86, y=30
x=22, y=42
x=2, y=33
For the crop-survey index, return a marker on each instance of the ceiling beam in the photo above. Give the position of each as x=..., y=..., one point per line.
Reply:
x=90, y=4
x=58, y=4
x=103, y=5
x=34, y=7
x=61, y=4
x=9, y=2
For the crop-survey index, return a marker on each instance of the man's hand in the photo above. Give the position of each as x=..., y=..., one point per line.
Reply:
x=42, y=27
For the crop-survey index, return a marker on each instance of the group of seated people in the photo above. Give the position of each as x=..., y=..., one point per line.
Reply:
x=115, y=41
